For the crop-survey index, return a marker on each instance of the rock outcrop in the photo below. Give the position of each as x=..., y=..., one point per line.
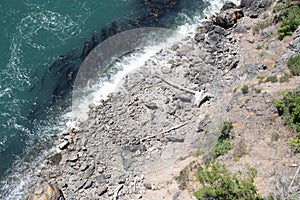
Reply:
x=46, y=191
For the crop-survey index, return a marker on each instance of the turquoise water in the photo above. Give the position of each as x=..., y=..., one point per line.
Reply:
x=34, y=36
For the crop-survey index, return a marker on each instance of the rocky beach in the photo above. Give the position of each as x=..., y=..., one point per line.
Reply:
x=167, y=114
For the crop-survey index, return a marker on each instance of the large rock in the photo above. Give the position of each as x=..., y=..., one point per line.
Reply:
x=46, y=191
x=228, y=6
x=228, y=18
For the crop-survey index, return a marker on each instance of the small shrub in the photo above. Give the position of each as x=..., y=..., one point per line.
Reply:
x=295, y=144
x=262, y=24
x=274, y=136
x=262, y=53
x=294, y=65
x=272, y=79
x=235, y=89
x=222, y=148
x=290, y=22
x=285, y=78
x=289, y=109
x=182, y=176
x=260, y=79
x=258, y=27
x=218, y=183
x=258, y=47
x=245, y=89
x=257, y=90
x=224, y=141
x=226, y=132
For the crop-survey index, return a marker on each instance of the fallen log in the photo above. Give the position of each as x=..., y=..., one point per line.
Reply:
x=199, y=96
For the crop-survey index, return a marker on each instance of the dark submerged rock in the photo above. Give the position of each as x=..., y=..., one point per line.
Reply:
x=86, y=50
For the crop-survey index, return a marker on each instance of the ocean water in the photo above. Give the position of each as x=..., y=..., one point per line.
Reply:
x=41, y=43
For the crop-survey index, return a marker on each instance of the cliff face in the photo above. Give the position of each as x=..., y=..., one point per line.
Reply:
x=168, y=112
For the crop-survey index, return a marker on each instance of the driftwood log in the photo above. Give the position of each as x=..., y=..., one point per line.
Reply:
x=199, y=96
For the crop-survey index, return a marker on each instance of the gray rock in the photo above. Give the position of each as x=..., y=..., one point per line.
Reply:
x=55, y=159
x=171, y=110
x=102, y=190
x=89, y=172
x=88, y=184
x=151, y=106
x=83, y=167
x=122, y=179
x=168, y=152
x=202, y=126
x=174, y=47
x=63, y=145
x=185, y=98
x=228, y=6
x=73, y=157
x=229, y=18
x=240, y=29
x=184, y=49
x=101, y=179
x=79, y=185
x=199, y=37
x=175, y=196
x=175, y=139
x=166, y=70
x=134, y=148
x=148, y=185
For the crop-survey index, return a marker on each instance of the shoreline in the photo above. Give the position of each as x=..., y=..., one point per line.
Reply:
x=151, y=124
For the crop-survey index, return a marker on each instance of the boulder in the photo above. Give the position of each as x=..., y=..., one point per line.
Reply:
x=229, y=18
x=228, y=6
x=46, y=191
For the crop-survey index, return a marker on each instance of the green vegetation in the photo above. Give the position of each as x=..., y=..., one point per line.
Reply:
x=272, y=79
x=262, y=53
x=290, y=21
x=222, y=148
x=288, y=108
x=285, y=78
x=262, y=24
x=294, y=65
x=218, y=183
x=267, y=47
x=295, y=144
x=258, y=47
x=245, y=89
x=275, y=136
x=279, y=7
x=182, y=178
x=235, y=89
x=257, y=90
x=224, y=141
x=260, y=79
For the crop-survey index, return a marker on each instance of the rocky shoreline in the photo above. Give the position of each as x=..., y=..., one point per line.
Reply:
x=166, y=113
